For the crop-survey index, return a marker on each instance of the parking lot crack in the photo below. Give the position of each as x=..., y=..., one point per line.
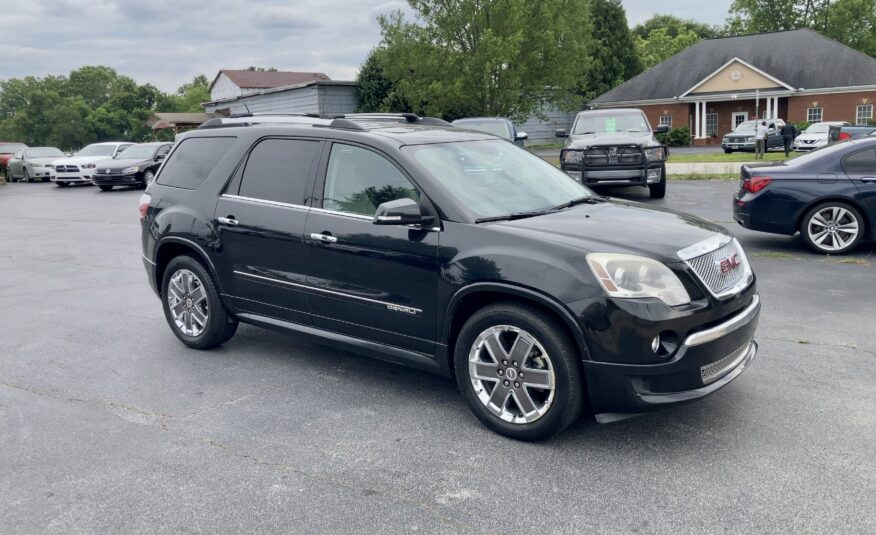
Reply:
x=850, y=347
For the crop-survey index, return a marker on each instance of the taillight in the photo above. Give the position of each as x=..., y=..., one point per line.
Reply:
x=844, y=136
x=145, y=199
x=756, y=183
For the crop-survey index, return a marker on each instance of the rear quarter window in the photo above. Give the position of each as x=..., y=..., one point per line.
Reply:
x=193, y=161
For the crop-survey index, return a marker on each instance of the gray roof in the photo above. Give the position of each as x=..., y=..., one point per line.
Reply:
x=799, y=58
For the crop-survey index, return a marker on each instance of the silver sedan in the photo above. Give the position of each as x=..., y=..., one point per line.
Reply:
x=32, y=163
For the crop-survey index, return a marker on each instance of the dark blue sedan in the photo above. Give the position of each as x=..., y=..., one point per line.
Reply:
x=828, y=196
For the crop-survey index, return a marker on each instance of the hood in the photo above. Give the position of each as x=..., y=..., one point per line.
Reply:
x=813, y=137
x=48, y=159
x=121, y=164
x=735, y=135
x=618, y=227
x=79, y=160
x=582, y=141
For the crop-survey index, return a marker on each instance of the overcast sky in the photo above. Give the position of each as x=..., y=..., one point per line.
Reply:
x=167, y=42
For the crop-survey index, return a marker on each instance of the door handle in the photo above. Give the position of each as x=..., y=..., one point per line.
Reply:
x=324, y=238
x=868, y=179
x=230, y=221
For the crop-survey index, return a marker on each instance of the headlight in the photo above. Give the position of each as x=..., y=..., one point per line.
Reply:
x=634, y=277
x=749, y=139
x=88, y=166
x=50, y=166
x=128, y=170
x=572, y=156
x=657, y=154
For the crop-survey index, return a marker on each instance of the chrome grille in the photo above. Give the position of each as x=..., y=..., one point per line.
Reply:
x=66, y=168
x=722, y=269
x=714, y=371
x=605, y=155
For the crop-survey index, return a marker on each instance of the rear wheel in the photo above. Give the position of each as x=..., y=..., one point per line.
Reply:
x=104, y=187
x=518, y=372
x=832, y=228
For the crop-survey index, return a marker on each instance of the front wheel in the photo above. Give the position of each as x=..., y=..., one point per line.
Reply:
x=728, y=151
x=518, y=371
x=105, y=187
x=832, y=228
x=658, y=190
x=26, y=176
x=148, y=177
x=62, y=184
x=192, y=305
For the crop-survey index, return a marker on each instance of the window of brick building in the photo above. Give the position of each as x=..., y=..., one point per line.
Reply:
x=864, y=114
x=711, y=124
x=666, y=120
x=813, y=115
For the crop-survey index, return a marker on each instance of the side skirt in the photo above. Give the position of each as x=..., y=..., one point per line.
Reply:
x=364, y=347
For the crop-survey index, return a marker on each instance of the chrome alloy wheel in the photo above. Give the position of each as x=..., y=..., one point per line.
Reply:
x=512, y=374
x=833, y=228
x=148, y=177
x=187, y=302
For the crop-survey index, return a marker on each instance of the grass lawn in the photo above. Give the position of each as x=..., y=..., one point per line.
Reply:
x=546, y=146
x=720, y=157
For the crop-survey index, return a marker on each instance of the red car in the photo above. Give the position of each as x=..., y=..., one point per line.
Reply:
x=7, y=149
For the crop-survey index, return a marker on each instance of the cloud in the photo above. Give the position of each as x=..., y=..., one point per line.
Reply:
x=167, y=42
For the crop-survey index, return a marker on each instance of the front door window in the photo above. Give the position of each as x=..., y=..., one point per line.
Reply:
x=358, y=181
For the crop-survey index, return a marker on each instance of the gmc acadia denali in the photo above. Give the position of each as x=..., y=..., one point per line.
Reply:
x=451, y=251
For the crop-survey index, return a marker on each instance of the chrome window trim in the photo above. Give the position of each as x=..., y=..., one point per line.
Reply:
x=391, y=306
x=343, y=214
x=727, y=327
x=265, y=201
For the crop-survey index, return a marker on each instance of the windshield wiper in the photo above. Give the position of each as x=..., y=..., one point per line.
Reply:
x=512, y=217
x=590, y=199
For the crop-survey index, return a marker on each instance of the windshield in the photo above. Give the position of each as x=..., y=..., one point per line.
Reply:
x=818, y=128
x=611, y=122
x=137, y=152
x=494, y=178
x=9, y=148
x=43, y=152
x=746, y=126
x=97, y=150
x=496, y=128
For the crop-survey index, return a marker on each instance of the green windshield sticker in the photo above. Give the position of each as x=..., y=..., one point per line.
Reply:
x=610, y=125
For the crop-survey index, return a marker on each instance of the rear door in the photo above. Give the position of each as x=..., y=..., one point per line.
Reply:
x=370, y=281
x=261, y=219
x=860, y=166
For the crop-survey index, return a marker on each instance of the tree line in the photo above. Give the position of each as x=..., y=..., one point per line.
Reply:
x=93, y=103
x=513, y=57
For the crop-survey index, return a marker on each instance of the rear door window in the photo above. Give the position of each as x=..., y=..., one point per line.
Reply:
x=278, y=170
x=861, y=163
x=193, y=161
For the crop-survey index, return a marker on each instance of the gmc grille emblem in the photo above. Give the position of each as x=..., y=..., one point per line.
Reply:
x=729, y=264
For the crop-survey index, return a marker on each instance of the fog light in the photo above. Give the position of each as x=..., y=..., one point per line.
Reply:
x=654, y=173
x=655, y=344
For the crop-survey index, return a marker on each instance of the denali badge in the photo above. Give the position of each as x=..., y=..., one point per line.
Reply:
x=399, y=308
x=729, y=264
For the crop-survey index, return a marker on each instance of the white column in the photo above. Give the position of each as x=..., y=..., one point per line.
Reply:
x=697, y=121
x=703, y=128
x=775, y=107
x=769, y=105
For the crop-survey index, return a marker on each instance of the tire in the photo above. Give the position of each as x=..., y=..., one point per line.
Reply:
x=105, y=187
x=187, y=281
x=728, y=151
x=148, y=177
x=62, y=184
x=658, y=190
x=26, y=177
x=552, y=358
x=833, y=227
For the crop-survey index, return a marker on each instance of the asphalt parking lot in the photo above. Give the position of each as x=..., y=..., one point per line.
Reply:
x=109, y=424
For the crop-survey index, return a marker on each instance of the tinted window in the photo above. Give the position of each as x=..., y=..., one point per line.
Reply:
x=358, y=180
x=194, y=159
x=277, y=170
x=861, y=163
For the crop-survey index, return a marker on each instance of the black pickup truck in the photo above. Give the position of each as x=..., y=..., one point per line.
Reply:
x=615, y=147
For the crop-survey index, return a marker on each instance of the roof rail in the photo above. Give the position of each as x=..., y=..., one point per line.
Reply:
x=248, y=119
x=345, y=124
x=350, y=121
x=409, y=117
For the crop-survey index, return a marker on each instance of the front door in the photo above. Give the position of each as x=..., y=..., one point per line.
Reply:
x=860, y=167
x=261, y=220
x=369, y=281
x=739, y=117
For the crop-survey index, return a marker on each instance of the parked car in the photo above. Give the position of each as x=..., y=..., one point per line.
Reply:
x=742, y=137
x=31, y=163
x=450, y=251
x=816, y=136
x=79, y=168
x=134, y=166
x=845, y=133
x=7, y=149
x=828, y=196
x=497, y=126
x=615, y=147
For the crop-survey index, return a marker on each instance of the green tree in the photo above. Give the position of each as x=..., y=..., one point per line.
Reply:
x=674, y=26
x=486, y=57
x=377, y=93
x=614, y=57
x=660, y=46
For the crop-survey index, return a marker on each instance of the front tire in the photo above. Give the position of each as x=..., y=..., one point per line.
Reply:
x=728, y=151
x=658, y=190
x=148, y=177
x=26, y=177
x=832, y=228
x=192, y=305
x=104, y=187
x=62, y=184
x=519, y=372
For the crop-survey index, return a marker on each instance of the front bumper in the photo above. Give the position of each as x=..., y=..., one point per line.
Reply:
x=707, y=360
x=641, y=176
x=116, y=180
x=803, y=147
x=730, y=144
x=71, y=178
x=40, y=172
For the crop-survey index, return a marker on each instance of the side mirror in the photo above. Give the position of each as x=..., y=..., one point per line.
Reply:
x=400, y=212
x=561, y=132
x=521, y=136
x=160, y=156
x=662, y=129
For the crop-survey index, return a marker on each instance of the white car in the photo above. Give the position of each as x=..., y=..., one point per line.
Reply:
x=79, y=168
x=815, y=136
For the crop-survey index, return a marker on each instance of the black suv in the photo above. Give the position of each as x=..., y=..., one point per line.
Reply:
x=134, y=166
x=451, y=251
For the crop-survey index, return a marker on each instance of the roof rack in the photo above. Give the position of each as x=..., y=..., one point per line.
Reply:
x=349, y=121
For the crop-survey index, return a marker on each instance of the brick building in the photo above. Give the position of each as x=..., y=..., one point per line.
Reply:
x=712, y=86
